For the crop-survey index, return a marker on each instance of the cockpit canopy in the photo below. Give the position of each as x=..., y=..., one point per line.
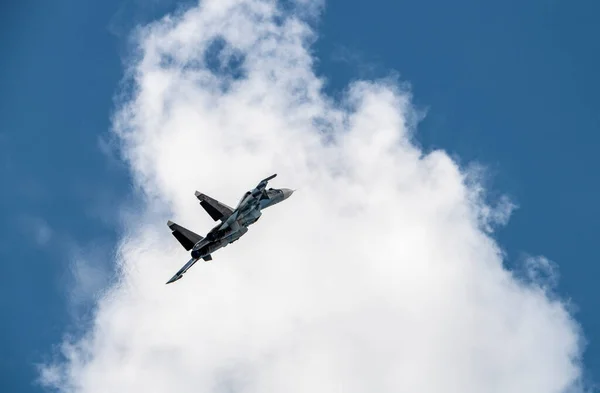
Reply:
x=271, y=192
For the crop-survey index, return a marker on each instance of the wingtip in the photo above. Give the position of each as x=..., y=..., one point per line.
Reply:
x=170, y=223
x=173, y=279
x=266, y=179
x=197, y=193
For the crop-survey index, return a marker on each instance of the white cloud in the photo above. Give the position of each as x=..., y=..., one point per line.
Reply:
x=377, y=275
x=540, y=271
x=89, y=272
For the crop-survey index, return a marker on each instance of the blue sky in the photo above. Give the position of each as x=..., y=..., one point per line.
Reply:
x=508, y=84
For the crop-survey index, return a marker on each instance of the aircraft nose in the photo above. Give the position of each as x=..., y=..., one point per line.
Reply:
x=287, y=192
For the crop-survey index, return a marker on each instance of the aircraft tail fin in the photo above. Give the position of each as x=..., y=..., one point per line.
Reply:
x=186, y=237
x=217, y=210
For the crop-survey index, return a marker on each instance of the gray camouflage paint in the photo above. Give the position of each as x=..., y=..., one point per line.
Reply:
x=234, y=222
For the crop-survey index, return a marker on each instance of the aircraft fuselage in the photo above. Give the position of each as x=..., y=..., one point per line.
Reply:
x=234, y=222
x=236, y=226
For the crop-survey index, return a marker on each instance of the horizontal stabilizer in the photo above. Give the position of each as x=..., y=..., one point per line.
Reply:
x=186, y=237
x=217, y=210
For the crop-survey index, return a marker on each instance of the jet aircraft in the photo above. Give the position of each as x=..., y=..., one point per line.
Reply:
x=234, y=222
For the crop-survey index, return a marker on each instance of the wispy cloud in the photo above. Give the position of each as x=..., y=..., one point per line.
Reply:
x=538, y=270
x=89, y=262
x=35, y=229
x=378, y=275
x=90, y=273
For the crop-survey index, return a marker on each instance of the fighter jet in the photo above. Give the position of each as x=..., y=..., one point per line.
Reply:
x=233, y=222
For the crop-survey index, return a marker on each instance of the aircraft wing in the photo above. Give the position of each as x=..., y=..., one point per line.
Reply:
x=259, y=189
x=181, y=271
x=263, y=182
x=217, y=210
